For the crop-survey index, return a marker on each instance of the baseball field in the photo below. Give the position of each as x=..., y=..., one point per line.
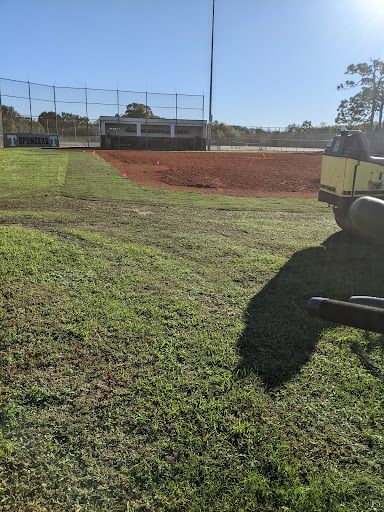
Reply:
x=231, y=173
x=155, y=349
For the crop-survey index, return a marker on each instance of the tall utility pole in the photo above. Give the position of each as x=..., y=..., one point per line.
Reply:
x=210, y=84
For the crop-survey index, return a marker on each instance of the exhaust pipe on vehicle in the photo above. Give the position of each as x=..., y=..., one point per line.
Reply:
x=361, y=312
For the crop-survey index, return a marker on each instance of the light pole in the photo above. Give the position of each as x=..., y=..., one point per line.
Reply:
x=210, y=84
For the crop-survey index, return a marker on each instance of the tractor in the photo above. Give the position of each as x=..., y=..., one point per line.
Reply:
x=348, y=172
x=352, y=181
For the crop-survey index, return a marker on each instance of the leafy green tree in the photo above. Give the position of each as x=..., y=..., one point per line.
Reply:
x=67, y=117
x=293, y=127
x=224, y=131
x=326, y=128
x=305, y=126
x=82, y=125
x=369, y=101
x=244, y=130
x=355, y=111
x=139, y=110
x=48, y=121
x=13, y=121
x=67, y=123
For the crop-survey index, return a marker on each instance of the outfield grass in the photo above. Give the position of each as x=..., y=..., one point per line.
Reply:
x=156, y=354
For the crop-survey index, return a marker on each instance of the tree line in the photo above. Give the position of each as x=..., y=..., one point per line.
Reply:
x=67, y=123
x=48, y=122
x=64, y=123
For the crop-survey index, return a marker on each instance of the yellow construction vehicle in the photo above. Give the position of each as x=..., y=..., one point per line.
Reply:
x=348, y=172
x=352, y=181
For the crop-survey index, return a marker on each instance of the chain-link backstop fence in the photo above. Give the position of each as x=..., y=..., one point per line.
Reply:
x=73, y=112
x=280, y=139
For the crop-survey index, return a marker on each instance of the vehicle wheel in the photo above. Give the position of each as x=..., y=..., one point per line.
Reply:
x=342, y=219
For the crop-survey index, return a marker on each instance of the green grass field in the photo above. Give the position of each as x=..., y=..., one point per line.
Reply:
x=156, y=353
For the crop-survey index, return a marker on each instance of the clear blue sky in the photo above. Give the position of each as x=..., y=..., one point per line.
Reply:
x=275, y=61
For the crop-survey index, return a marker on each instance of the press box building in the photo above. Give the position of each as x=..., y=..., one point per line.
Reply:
x=138, y=133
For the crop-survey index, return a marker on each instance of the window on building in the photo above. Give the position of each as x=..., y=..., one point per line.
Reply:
x=182, y=130
x=158, y=129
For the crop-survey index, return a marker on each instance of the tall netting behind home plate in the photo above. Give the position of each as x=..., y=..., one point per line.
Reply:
x=73, y=112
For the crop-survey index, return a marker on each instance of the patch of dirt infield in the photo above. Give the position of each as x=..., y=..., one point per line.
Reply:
x=235, y=174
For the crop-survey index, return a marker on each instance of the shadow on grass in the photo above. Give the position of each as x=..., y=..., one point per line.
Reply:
x=280, y=336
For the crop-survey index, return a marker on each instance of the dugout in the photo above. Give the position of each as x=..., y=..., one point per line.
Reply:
x=138, y=133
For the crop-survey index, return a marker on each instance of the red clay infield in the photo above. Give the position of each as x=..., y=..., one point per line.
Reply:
x=235, y=174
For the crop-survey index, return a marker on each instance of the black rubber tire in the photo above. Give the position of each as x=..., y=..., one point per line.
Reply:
x=342, y=220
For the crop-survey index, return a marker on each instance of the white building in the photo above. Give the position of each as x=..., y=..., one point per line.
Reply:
x=140, y=133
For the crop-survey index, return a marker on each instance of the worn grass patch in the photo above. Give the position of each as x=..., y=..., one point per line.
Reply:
x=160, y=357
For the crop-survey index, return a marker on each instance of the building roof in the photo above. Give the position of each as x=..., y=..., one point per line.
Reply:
x=135, y=120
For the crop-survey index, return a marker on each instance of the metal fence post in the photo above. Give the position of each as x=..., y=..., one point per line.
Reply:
x=118, y=118
x=30, y=105
x=176, y=124
x=54, y=102
x=146, y=120
x=86, y=112
x=202, y=127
